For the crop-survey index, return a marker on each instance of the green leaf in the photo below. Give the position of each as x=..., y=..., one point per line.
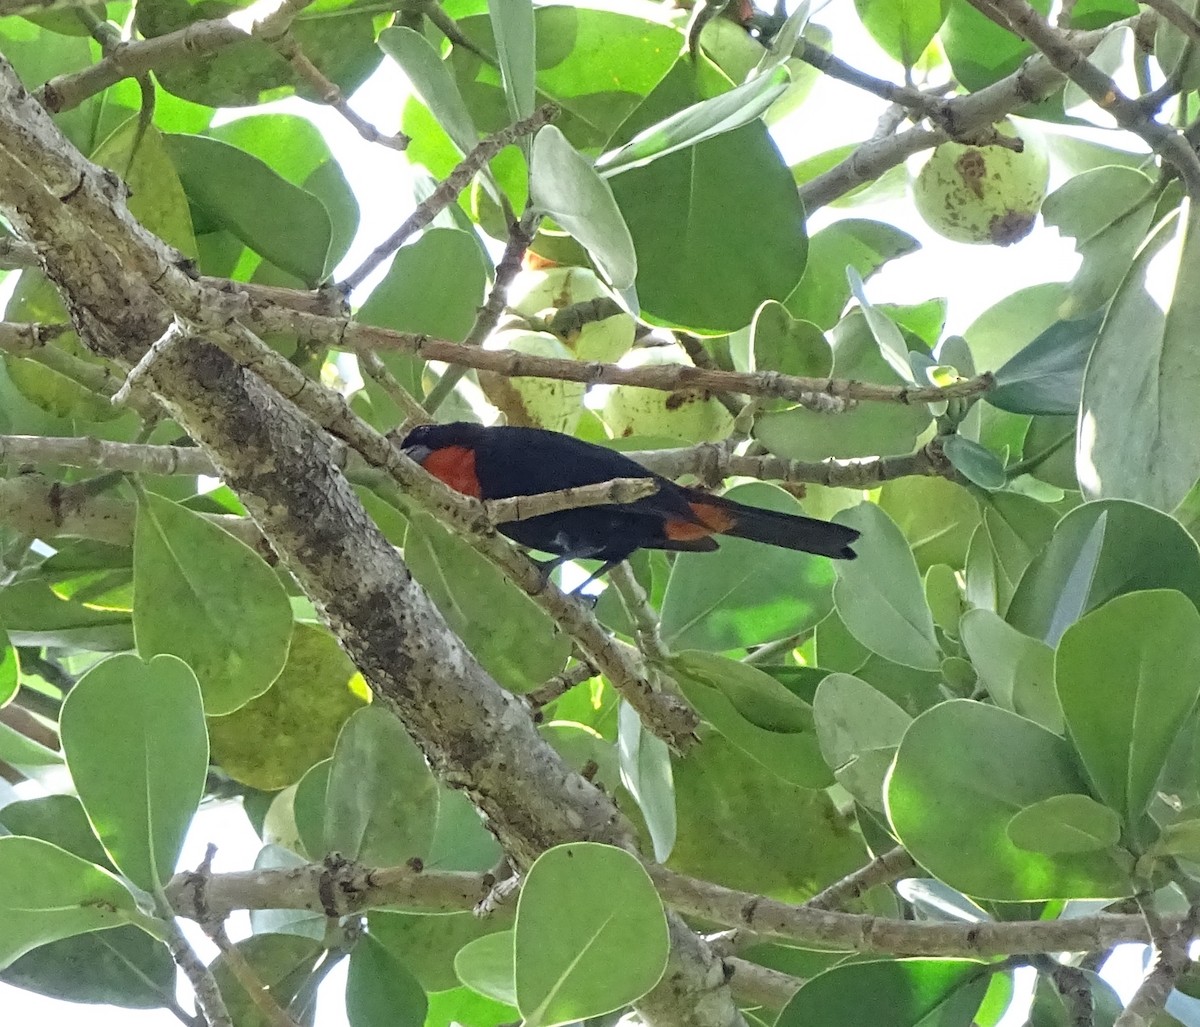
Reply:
x=1016, y=670
x=308, y=809
x=1142, y=380
x=1010, y=324
x=755, y=713
x=1053, y=1009
x=745, y=593
x=156, y=195
x=1108, y=211
x=209, y=599
x=293, y=147
x=58, y=819
x=521, y=649
x=381, y=801
x=338, y=38
x=646, y=774
x=10, y=668
x=279, y=221
x=704, y=264
x=47, y=894
x=888, y=337
x=725, y=837
x=24, y=753
x=1181, y=838
x=577, y=955
x=1065, y=824
x=428, y=946
x=564, y=185
x=859, y=729
x=937, y=518
x=879, y=596
x=123, y=966
x=135, y=743
x=1046, y=377
x=870, y=429
x=1126, y=677
x=967, y=763
x=890, y=993
x=978, y=465
x=433, y=83
x=271, y=741
x=980, y=51
x=282, y=962
x=1140, y=549
x=516, y=34
x=780, y=342
x=380, y=990
x=697, y=123
x=486, y=965
x=903, y=28
x=463, y=1006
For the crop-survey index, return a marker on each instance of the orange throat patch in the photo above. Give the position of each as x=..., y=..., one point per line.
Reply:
x=455, y=465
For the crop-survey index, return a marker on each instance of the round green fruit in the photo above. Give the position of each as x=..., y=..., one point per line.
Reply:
x=983, y=194
x=691, y=415
x=534, y=402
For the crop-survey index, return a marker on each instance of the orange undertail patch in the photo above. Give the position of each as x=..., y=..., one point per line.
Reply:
x=455, y=466
x=713, y=520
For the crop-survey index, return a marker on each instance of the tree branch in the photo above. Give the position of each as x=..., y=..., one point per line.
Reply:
x=1036, y=79
x=447, y=191
x=1061, y=50
x=883, y=869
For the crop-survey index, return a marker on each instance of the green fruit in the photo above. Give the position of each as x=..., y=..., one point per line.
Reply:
x=534, y=402
x=691, y=415
x=983, y=194
x=541, y=293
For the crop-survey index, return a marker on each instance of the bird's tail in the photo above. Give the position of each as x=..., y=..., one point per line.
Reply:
x=791, y=531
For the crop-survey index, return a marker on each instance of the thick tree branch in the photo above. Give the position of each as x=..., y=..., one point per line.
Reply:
x=476, y=736
x=962, y=116
x=340, y=889
x=33, y=505
x=1062, y=50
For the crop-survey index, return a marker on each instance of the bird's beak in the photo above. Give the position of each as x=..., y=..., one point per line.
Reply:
x=417, y=452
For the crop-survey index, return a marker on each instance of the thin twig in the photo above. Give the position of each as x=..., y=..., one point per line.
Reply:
x=559, y=685
x=1061, y=51
x=520, y=235
x=643, y=615
x=447, y=191
x=374, y=368
x=884, y=868
x=618, y=490
x=208, y=995
x=175, y=332
x=355, y=336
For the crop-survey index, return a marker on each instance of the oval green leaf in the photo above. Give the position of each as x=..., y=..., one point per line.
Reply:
x=890, y=993
x=1126, y=677
x=1063, y=824
x=381, y=801
x=963, y=770
x=209, y=599
x=136, y=746
x=565, y=185
x=47, y=894
x=577, y=953
x=879, y=596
